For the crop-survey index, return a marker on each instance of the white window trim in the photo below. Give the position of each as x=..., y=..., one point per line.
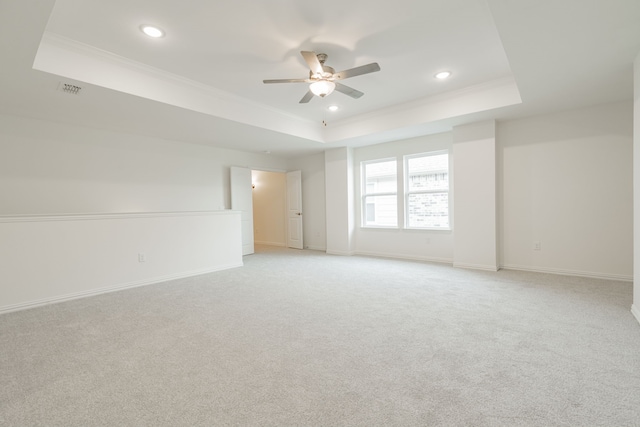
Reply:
x=364, y=194
x=405, y=184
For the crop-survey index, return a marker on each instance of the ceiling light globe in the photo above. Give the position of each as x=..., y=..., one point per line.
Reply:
x=322, y=88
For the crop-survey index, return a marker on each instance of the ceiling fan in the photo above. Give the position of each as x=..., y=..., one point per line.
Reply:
x=323, y=78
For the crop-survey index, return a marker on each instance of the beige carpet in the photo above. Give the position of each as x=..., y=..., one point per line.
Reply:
x=301, y=338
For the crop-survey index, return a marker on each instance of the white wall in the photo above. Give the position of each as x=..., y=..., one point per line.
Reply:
x=47, y=168
x=339, y=201
x=52, y=258
x=313, y=200
x=269, y=207
x=474, y=194
x=636, y=189
x=401, y=243
x=566, y=182
x=563, y=180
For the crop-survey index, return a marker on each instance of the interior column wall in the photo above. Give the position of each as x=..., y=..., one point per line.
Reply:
x=635, y=308
x=474, y=196
x=339, y=200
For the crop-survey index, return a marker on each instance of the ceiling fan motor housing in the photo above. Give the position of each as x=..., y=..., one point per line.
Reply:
x=327, y=72
x=322, y=78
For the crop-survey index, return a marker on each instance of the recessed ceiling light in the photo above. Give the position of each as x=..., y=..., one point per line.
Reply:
x=152, y=31
x=443, y=75
x=333, y=108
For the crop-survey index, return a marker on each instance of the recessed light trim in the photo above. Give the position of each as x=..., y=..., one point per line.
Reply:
x=443, y=75
x=333, y=108
x=152, y=31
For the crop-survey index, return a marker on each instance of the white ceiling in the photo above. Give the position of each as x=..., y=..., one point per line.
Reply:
x=202, y=82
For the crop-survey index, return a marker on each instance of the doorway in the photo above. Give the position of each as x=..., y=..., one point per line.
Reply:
x=277, y=208
x=269, y=203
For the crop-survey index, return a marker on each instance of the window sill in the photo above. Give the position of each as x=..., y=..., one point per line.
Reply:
x=412, y=229
x=428, y=229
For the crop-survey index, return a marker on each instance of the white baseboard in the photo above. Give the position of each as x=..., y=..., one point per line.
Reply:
x=577, y=273
x=636, y=312
x=115, y=288
x=476, y=266
x=330, y=252
x=280, y=244
x=404, y=256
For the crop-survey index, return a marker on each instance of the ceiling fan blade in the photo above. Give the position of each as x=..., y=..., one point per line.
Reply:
x=348, y=91
x=312, y=61
x=286, y=81
x=306, y=98
x=357, y=71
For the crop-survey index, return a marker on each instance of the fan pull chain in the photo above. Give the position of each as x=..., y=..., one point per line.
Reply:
x=324, y=112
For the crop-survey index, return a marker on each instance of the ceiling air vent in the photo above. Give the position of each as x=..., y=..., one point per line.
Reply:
x=69, y=88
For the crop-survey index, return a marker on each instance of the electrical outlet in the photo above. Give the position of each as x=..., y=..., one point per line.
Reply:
x=537, y=246
x=141, y=258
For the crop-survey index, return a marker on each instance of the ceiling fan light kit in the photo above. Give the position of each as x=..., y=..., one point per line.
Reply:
x=322, y=78
x=322, y=88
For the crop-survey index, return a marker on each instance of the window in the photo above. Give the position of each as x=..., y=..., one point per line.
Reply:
x=380, y=193
x=427, y=190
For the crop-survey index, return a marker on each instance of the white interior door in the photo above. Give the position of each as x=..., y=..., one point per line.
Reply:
x=242, y=200
x=294, y=210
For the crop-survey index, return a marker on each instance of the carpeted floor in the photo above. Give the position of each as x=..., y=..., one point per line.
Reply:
x=301, y=338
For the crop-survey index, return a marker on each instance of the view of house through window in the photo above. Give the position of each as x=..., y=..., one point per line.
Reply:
x=426, y=191
x=380, y=193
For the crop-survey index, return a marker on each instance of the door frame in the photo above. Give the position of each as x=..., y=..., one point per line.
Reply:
x=285, y=218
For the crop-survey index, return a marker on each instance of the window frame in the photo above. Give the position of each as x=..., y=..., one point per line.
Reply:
x=408, y=192
x=364, y=194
